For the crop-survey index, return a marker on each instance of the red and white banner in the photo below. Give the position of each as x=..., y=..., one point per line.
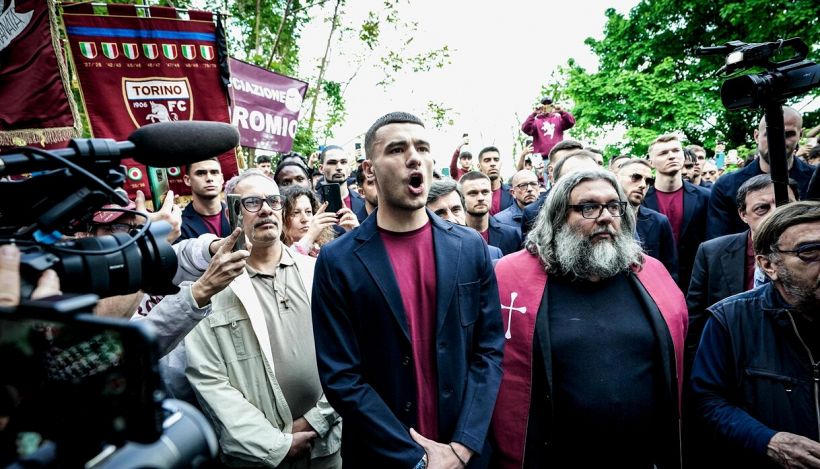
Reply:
x=35, y=107
x=135, y=71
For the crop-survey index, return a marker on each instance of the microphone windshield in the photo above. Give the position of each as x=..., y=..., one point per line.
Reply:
x=178, y=143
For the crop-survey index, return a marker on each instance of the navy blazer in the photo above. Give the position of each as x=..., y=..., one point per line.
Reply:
x=364, y=353
x=719, y=272
x=507, y=198
x=723, y=216
x=655, y=234
x=194, y=227
x=693, y=228
x=530, y=212
x=504, y=237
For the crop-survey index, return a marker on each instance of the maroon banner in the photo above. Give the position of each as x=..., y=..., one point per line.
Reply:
x=34, y=98
x=135, y=71
x=265, y=106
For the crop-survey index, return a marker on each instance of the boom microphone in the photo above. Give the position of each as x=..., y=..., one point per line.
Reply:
x=160, y=145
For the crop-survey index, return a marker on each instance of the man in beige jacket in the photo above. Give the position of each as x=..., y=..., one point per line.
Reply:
x=252, y=363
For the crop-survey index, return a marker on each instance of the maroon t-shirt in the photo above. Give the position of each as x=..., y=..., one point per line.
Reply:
x=496, y=205
x=347, y=201
x=414, y=265
x=486, y=235
x=213, y=223
x=671, y=205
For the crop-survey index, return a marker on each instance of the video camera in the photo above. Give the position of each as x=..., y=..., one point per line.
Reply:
x=769, y=90
x=76, y=389
x=782, y=80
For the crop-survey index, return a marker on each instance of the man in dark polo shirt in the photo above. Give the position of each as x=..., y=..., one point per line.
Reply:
x=405, y=318
x=205, y=213
x=683, y=203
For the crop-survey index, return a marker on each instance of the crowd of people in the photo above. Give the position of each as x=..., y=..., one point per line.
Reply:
x=646, y=312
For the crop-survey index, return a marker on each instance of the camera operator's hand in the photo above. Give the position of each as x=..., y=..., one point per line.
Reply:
x=169, y=212
x=47, y=285
x=224, y=267
x=301, y=443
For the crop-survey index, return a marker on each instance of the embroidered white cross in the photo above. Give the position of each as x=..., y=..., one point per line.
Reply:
x=511, y=308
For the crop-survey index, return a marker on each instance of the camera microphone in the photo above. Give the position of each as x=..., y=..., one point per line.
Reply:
x=160, y=145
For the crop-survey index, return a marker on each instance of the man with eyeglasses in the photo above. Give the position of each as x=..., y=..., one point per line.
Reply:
x=683, y=203
x=755, y=376
x=252, y=362
x=524, y=191
x=653, y=228
x=594, y=339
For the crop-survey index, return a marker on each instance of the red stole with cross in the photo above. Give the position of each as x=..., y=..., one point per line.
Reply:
x=521, y=281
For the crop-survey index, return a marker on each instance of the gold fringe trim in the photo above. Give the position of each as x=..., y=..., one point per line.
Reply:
x=22, y=137
x=63, y=67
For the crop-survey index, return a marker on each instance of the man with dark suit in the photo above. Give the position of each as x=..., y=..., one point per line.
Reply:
x=405, y=310
x=723, y=217
x=477, y=196
x=205, y=213
x=489, y=163
x=683, y=203
x=725, y=266
x=653, y=228
x=335, y=167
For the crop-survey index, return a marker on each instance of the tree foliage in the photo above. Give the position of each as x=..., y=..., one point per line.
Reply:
x=649, y=81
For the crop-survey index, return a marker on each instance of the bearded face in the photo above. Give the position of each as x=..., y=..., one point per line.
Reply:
x=594, y=256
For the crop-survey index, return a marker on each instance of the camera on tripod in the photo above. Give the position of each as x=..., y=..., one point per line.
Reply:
x=781, y=80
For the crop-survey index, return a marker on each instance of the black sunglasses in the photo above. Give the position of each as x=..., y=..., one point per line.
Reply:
x=807, y=253
x=650, y=181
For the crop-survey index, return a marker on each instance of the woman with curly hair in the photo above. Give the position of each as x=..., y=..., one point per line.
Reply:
x=306, y=225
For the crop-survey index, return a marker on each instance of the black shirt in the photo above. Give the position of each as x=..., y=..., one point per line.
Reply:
x=607, y=374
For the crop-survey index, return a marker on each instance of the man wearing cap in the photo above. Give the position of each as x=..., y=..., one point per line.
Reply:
x=546, y=126
x=206, y=212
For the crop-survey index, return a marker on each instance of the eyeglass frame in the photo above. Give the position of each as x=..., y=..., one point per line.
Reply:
x=526, y=185
x=110, y=227
x=280, y=198
x=797, y=252
x=650, y=181
x=583, y=207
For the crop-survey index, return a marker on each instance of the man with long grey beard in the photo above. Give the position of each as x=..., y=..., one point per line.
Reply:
x=593, y=358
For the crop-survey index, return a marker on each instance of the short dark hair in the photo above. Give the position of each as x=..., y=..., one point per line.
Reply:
x=759, y=183
x=689, y=155
x=441, y=188
x=188, y=166
x=580, y=154
x=465, y=154
x=326, y=149
x=783, y=218
x=397, y=117
x=473, y=176
x=486, y=150
x=565, y=145
x=263, y=159
x=285, y=164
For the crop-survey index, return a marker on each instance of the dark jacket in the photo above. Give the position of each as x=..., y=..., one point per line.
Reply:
x=723, y=216
x=753, y=377
x=719, y=272
x=194, y=227
x=693, y=229
x=655, y=234
x=504, y=237
x=364, y=353
x=507, y=198
x=530, y=212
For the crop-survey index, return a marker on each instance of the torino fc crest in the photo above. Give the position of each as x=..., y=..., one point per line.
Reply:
x=157, y=99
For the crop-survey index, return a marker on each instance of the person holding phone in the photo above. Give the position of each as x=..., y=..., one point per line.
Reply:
x=306, y=225
x=546, y=125
x=462, y=160
x=334, y=163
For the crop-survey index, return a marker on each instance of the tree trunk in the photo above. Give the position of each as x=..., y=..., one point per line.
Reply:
x=258, y=41
x=279, y=34
x=323, y=66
